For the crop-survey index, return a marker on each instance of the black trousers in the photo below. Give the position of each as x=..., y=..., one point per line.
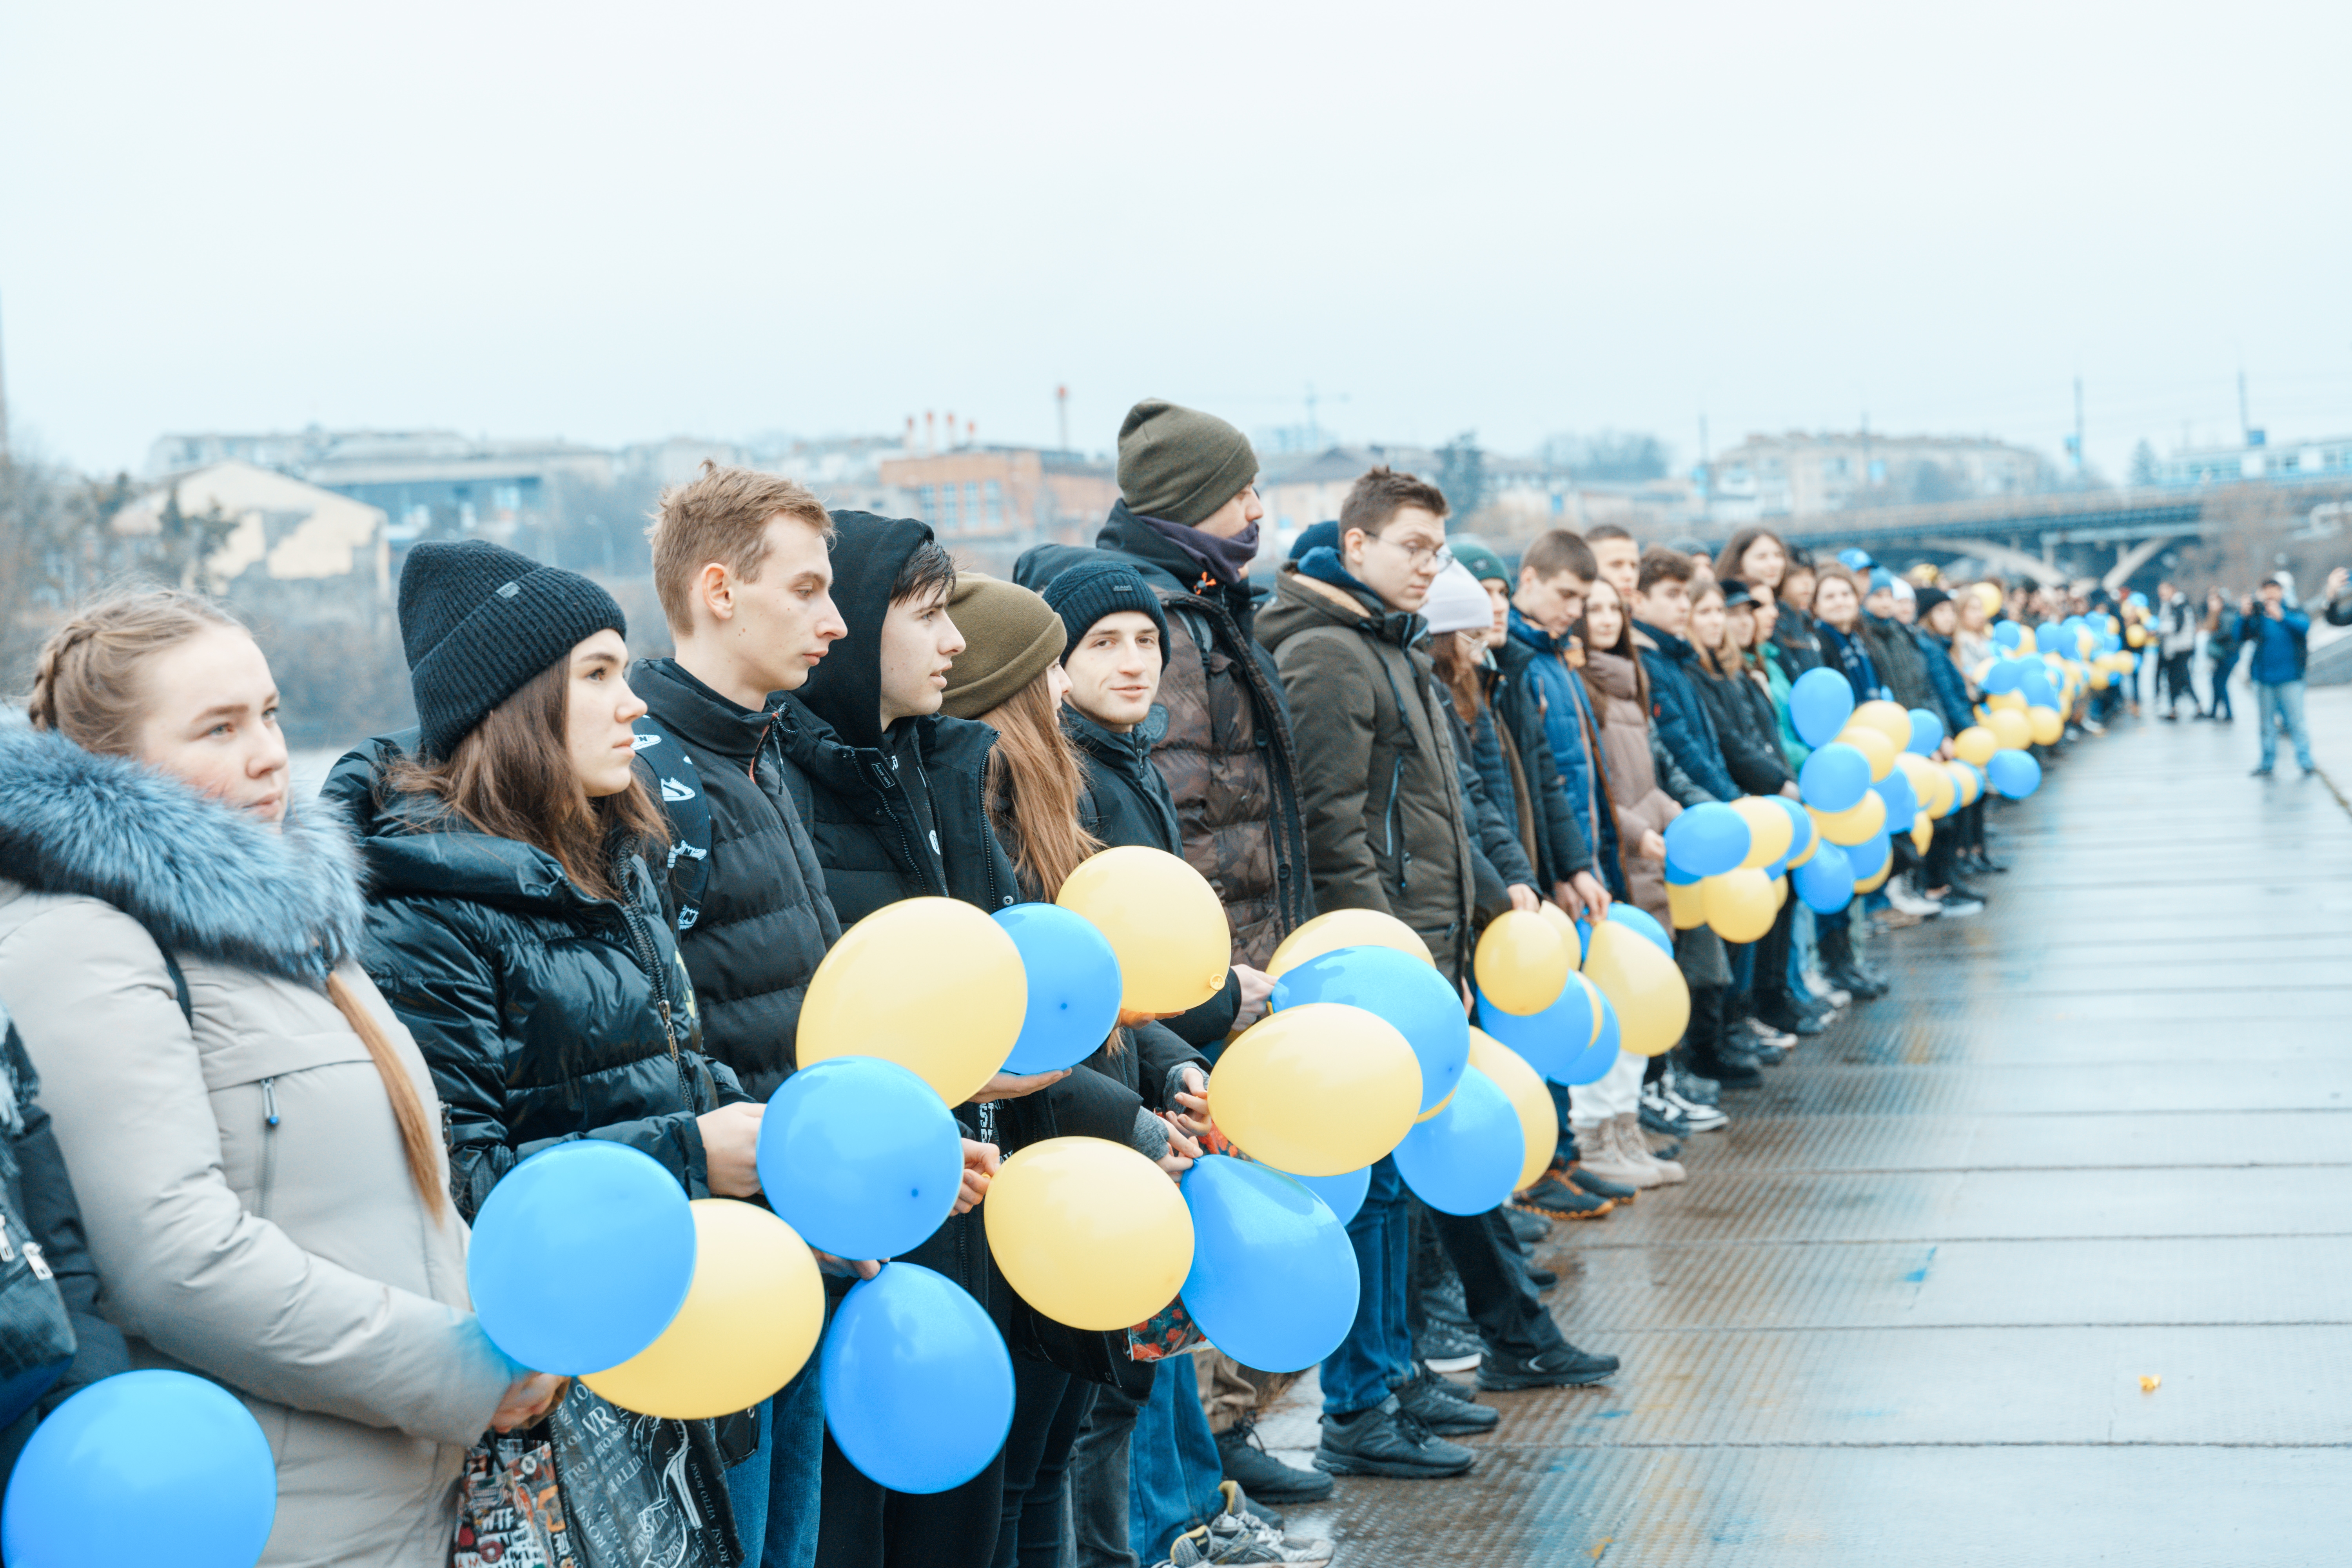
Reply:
x=1495, y=1287
x=2175, y=673
x=864, y=1525
x=1048, y=1406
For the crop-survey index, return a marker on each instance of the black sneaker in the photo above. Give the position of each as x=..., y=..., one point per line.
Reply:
x=1529, y=1228
x=1601, y=1187
x=1561, y=1367
x=1445, y=1385
x=1555, y=1198
x=1388, y=1440
x=1442, y=1407
x=1261, y=1476
x=1448, y=1349
x=1540, y=1277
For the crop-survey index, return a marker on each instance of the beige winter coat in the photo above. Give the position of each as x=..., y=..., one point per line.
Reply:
x=296, y=1264
x=1633, y=793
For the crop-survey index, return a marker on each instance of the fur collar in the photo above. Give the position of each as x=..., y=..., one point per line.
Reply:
x=202, y=879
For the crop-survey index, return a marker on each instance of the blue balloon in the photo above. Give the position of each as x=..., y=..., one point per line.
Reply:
x=1865, y=858
x=1642, y=921
x=1801, y=831
x=139, y=1470
x=1409, y=994
x=1675, y=877
x=860, y=1156
x=1833, y=777
x=1073, y=987
x=1818, y=705
x=1584, y=941
x=1902, y=801
x=2009, y=634
x=1927, y=733
x=1466, y=1159
x=2013, y=773
x=917, y=1384
x=1708, y=840
x=1551, y=1040
x=2036, y=688
x=1597, y=1059
x=2004, y=675
x=1273, y=1281
x=1825, y=882
x=540, y=1267
x=1344, y=1195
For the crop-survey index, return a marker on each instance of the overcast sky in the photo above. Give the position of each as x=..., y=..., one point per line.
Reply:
x=620, y=222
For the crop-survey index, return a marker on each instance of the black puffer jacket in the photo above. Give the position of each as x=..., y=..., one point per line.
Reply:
x=764, y=921
x=1127, y=803
x=544, y=1014
x=1750, y=747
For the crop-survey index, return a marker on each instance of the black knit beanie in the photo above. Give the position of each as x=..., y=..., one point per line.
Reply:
x=1093, y=589
x=479, y=622
x=1179, y=464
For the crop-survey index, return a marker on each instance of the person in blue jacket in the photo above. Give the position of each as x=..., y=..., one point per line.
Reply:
x=2278, y=637
x=1662, y=605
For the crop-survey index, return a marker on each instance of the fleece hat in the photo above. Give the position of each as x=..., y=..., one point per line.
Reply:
x=1483, y=562
x=1179, y=464
x=1931, y=598
x=1456, y=603
x=1093, y=589
x=1315, y=536
x=479, y=622
x=1010, y=637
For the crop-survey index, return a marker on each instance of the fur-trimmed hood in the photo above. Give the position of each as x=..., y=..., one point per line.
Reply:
x=203, y=877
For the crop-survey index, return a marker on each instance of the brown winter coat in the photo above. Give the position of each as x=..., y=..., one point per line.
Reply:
x=1377, y=781
x=296, y=1264
x=1639, y=805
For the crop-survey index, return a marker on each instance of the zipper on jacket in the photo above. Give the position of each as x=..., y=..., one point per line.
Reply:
x=33, y=1258
x=1388, y=831
x=649, y=954
x=268, y=1143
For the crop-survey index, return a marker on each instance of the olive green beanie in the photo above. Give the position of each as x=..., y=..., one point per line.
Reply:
x=1010, y=637
x=1179, y=464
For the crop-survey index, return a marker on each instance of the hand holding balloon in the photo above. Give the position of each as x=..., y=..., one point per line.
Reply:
x=1195, y=1119
x=1652, y=845
x=731, y=1148
x=527, y=1398
x=979, y=1162
x=1182, y=1151
x=1256, y=986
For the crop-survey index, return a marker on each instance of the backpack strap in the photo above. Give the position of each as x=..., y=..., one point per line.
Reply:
x=179, y=986
x=688, y=868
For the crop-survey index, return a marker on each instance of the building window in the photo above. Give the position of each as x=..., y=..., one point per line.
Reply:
x=994, y=493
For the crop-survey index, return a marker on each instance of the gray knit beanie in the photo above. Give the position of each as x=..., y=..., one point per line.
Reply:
x=1179, y=464
x=479, y=622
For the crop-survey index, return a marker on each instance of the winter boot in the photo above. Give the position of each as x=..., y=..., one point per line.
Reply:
x=1635, y=1145
x=1705, y=1043
x=1838, y=966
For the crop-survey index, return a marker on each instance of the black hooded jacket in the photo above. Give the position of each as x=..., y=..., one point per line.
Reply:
x=764, y=921
x=545, y=1015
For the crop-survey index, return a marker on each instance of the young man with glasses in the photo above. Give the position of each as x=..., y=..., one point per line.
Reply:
x=1385, y=830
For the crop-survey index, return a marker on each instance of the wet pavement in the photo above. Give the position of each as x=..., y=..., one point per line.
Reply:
x=1902, y=1311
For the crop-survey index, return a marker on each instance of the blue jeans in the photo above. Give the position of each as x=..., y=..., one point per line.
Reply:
x=2281, y=705
x=1172, y=1468
x=775, y=1491
x=1378, y=1350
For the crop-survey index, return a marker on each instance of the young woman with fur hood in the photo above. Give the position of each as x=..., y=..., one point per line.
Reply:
x=251, y=1132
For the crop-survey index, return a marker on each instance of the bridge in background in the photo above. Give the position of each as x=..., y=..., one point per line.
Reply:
x=2107, y=534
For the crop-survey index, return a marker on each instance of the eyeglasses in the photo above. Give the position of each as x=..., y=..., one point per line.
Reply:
x=1419, y=555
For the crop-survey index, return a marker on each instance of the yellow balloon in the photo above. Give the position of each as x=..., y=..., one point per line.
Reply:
x=2025, y=640
x=1538, y=1121
x=930, y=983
x=1990, y=597
x=1089, y=1232
x=1925, y=780
x=2045, y=725
x=1922, y=832
x=1437, y=1109
x=1320, y=1089
x=1779, y=891
x=1876, y=879
x=2136, y=635
x=1943, y=797
x=1686, y=903
x=1768, y=829
x=1560, y=921
x=2006, y=701
x=1857, y=824
x=1346, y=928
x=1813, y=843
x=1974, y=744
x=1642, y=983
x=1889, y=719
x=1964, y=780
x=2011, y=728
x=751, y=1318
x=1521, y=962
x=1873, y=746
x=1739, y=906
x=1164, y=922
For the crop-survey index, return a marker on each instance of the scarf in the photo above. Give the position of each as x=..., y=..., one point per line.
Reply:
x=1227, y=560
x=1852, y=661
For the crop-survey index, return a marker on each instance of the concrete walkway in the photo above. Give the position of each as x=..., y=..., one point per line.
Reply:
x=1903, y=1310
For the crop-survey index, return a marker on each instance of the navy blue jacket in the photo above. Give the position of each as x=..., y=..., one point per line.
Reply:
x=1944, y=675
x=1679, y=715
x=2281, y=646
x=1537, y=684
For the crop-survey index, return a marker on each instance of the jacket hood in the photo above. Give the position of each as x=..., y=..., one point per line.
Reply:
x=1300, y=602
x=413, y=846
x=203, y=877
x=1527, y=633
x=845, y=688
x=1674, y=647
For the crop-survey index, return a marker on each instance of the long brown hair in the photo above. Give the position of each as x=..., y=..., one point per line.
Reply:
x=1711, y=660
x=88, y=687
x=1732, y=561
x=1461, y=674
x=512, y=777
x=1622, y=648
x=1034, y=784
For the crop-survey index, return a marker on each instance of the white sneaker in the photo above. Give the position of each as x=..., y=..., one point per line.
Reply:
x=1702, y=1118
x=1900, y=894
x=1819, y=984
